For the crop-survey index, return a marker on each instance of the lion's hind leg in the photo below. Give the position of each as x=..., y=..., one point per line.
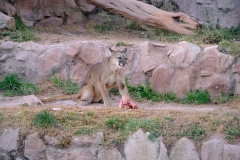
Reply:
x=85, y=95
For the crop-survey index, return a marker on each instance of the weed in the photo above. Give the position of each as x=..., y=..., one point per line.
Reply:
x=133, y=25
x=197, y=97
x=196, y=132
x=114, y=92
x=154, y=135
x=28, y=88
x=45, y=119
x=121, y=43
x=68, y=86
x=223, y=98
x=12, y=86
x=229, y=47
x=57, y=81
x=170, y=119
x=104, y=27
x=1, y=116
x=115, y=123
x=71, y=87
x=232, y=133
x=84, y=131
x=140, y=92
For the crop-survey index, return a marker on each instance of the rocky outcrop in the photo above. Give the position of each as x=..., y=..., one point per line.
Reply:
x=176, y=68
x=137, y=146
x=43, y=12
x=216, y=12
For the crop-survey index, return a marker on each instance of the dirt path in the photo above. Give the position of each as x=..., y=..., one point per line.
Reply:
x=114, y=37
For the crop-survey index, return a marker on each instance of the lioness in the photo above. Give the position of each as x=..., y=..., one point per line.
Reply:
x=102, y=77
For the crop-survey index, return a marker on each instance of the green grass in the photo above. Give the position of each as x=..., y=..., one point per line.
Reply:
x=197, y=97
x=195, y=132
x=12, y=86
x=68, y=86
x=104, y=26
x=229, y=47
x=22, y=33
x=121, y=43
x=140, y=92
x=126, y=127
x=45, y=119
x=232, y=128
x=133, y=25
x=84, y=131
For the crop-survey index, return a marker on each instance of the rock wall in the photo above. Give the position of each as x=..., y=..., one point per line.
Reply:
x=137, y=146
x=216, y=12
x=60, y=12
x=176, y=68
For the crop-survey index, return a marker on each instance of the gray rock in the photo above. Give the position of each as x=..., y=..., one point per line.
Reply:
x=216, y=149
x=4, y=156
x=31, y=100
x=7, y=22
x=9, y=140
x=109, y=153
x=34, y=148
x=184, y=149
x=7, y=45
x=139, y=147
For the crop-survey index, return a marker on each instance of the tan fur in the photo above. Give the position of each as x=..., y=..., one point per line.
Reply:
x=102, y=77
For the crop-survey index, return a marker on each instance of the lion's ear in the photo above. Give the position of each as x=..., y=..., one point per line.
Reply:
x=111, y=50
x=125, y=50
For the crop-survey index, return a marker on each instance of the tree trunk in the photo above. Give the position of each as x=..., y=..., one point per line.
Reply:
x=150, y=15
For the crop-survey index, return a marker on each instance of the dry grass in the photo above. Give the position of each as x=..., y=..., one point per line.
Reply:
x=173, y=123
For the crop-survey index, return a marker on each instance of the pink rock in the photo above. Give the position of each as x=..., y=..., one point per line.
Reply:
x=92, y=52
x=53, y=21
x=212, y=61
x=161, y=78
x=184, y=54
x=151, y=55
x=73, y=49
x=78, y=73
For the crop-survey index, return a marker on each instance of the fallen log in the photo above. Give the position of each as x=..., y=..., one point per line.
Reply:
x=150, y=15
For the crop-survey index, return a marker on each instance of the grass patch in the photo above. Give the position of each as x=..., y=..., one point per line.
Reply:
x=22, y=33
x=12, y=86
x=195, y=132
x=68, y=86
x=229, y=47
x=121, y=43
x=197, y=97
x=45, y=119
x=140, y=92
x=204, y=35
x=133, y=25
x=84, y=131
x=117, y=124
x=104, y=27
x=127, y=126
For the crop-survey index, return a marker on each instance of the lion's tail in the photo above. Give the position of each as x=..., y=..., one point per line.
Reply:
x=59, y=98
